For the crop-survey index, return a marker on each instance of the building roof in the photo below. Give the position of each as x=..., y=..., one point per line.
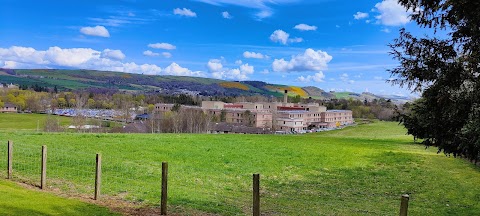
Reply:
x=143, y=116
x=291, y=119
x=9, y=105
x=293, y=111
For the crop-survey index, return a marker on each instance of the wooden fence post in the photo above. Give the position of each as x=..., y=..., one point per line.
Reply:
x=98, y=177
x=404, y=205
x=256, y=194
x=9, y=159
x=43, y=182
x=163, y=207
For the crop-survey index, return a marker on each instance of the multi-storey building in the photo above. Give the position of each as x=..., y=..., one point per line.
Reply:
x=284, y=116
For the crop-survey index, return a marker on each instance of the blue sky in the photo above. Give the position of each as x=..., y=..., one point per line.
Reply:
x=331, y=44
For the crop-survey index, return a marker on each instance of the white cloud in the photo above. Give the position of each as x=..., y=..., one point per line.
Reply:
x=265, y=71
x=295, y=40
x=23, y=55
x=219, y=72
x=70, y=57
x=305, y=27
x=165, y=46
x=184, y=12
x=386, y=30
x=264, y=14
x=166, y=54
x=16, y=65
x=99, y=31
x=131, y=67
x=255, y=55
x=226, y=15
x=262, y=5
x=150, y=53
x=247, y=69
x=177, y=70
x=238, y=62
x=360, y=15
x=280, y=36
x=113, y=54
x=214, y=65
x=84, y=58
x=345, y=78
x=392, y=13
x=317, y=77
x=310, y=60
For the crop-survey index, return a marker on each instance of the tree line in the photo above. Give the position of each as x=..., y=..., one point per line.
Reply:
x=40, y=101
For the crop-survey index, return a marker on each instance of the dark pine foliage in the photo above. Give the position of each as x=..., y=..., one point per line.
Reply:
x=446, y=72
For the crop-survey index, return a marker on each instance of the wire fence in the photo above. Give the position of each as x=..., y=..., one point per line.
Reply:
x=3, y=158
x=192, y=188
x=222, y=193
x=130, y=178
x=26, y=164
x=71, y=172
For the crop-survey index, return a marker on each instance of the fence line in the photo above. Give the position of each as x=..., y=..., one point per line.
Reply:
x=73, y=172
x=26, y=164
x=190, y=187
x=4, y=159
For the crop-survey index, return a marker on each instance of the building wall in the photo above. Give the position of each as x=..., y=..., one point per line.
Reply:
x=293, y=117
x=260, y=119
x=251, y=106
x=342, y=117
x=161, y=107
x=8, y=108
x=212, y=105
x=289, y=124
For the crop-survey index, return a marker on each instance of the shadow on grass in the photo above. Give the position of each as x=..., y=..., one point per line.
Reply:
x=219, y=207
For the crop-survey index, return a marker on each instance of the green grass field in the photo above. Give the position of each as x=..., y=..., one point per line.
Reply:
x=16, y=200
x=342, y=95
x=27, y=121
x=359, y=170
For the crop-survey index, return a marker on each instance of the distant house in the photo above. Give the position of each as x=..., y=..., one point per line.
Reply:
x=8, y=107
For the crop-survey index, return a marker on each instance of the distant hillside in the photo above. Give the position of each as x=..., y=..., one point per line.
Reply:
x=369, y=96
x=105, y=80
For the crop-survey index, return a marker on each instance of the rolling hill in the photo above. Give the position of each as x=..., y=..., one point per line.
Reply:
x=117, y=81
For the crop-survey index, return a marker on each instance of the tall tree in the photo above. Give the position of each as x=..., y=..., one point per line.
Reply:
x=446, y=71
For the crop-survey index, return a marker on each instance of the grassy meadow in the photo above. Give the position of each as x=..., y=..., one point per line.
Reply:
x=27, y=121
x=16, y=200
x=359, y=170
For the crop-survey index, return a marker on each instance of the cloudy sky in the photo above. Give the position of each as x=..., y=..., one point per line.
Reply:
x=332, y=44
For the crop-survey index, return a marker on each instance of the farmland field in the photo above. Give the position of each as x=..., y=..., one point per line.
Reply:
x=359, y=170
